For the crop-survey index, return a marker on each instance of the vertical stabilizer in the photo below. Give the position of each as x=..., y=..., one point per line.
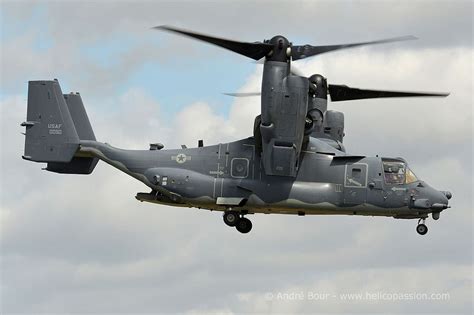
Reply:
x=50, y=132
x=78, y=165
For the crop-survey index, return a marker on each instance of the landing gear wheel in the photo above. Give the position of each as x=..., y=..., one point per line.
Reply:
x=244, y=225
x=422, y=229
x=231, y=218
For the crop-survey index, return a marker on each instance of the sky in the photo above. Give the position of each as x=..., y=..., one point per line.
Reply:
x=83, y=244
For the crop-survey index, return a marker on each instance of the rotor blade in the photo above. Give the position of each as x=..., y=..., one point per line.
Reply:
x=255, y=50
x=300, y=52
x=296, y=71
x=243, y=94
x=344, y=93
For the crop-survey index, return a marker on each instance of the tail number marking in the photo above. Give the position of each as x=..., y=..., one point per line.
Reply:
x=55, y=129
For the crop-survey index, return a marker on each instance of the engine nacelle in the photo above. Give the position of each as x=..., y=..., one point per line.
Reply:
x=320, y=122
x=317, y=103
x=333, y=125
x=331, y=129
x=283, y=115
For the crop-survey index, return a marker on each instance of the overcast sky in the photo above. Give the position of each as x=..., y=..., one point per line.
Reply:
x=83, y=244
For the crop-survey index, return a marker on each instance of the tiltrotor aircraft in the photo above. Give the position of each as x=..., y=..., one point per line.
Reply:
x=295, y=162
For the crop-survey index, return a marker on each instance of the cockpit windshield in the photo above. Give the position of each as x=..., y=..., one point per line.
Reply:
x=410, y=177
x=397, y=173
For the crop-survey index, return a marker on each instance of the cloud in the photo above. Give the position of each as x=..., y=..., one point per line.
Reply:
x=131, y=120
x=366, y=291
x=321, y=20
x=127, y=29
x=198, y=121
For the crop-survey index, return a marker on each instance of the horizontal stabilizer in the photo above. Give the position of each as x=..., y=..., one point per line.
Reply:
x=78, y=165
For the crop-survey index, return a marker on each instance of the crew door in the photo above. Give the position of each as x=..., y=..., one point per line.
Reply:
x=355, y=183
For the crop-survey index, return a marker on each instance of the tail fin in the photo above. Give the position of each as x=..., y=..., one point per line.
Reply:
x=78, y=165
x=55, y=125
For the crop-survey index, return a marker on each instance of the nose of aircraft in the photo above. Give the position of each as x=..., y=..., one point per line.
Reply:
x=448, y=194
x=440, y=200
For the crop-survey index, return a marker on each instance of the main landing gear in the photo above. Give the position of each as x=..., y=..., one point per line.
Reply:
x=235, y=219
x=421, y=228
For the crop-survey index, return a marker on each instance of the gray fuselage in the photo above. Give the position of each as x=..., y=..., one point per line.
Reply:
x=229, y=176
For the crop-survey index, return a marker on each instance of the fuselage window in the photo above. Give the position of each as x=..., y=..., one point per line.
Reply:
x=357, y=175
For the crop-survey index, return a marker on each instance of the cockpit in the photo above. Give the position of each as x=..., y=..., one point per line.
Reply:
x=396, y=172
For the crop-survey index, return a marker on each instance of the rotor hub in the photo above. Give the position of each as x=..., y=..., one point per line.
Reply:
x=280, y=49
x=320, y=85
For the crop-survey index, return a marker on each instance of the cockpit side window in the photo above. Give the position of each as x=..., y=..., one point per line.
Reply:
x=397, y=173
x=394, y=172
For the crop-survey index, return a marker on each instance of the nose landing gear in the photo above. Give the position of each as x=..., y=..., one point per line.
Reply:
x=231, y=217
x=237, y=220
x=421, y=228
x=244, y=225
